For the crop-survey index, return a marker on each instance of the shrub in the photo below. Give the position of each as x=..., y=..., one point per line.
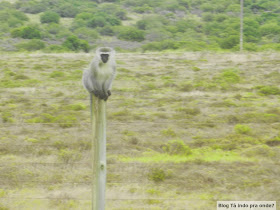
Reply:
x=67, y=10
x=189, y=111
x=13, y=17
x=131, y=34
x=230, y=42
x=168, y=132
x=7, y=117
x=143, y=9
x=176, y=147
x=55, y=48
x=77, y=107
x=32, y=7
x=87, y=33
x=56, y=74
x=49, y=17
x=229, y=76
x=121, y=14
x=242, y=129
x=75, y=44
x=163, y=45
x=31, y=45
x=259, y=151
x=84, y=45
x=268, y=90
x=157, y=175
x=66, y=121
x=102, y=19
x=185, y=87
x=98, y=21
x=68, y=156
x=26, y=32
x=107, y=31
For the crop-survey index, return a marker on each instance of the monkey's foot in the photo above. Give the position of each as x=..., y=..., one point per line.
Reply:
x=109, y=93
x=96, y=93
x=103, y=95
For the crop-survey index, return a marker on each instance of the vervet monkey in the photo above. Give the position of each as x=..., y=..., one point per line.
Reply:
x=98, y=77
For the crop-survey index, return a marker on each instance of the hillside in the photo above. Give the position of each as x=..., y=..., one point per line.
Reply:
x=192, y=25
x=184, y=130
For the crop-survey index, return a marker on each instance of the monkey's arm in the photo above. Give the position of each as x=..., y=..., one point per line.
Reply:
x=108, y=83
x=91, y=84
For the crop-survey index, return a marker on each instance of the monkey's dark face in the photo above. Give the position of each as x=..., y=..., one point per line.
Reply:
x=104, y=58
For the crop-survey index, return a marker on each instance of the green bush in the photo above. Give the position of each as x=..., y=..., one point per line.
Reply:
x=77, y=107
x=157, y=175
x=259, y=151
x=102, y=19
x=84, y=45
x=53, y=28
x=176, y=147
x=107, y=31
x=163, y=45
x=229, y=42
x=55, y=48
x=130, y=33
x=98, y=21
x=168, y=132
x=27, y=32
x=13, y=17
x=7, y=117
x=121, y=14
x=229, y=76
x=189, y=111
x=87, y=33
x=68, y=156
x=31, y=6
x=31, y=45
x=49, y=17
x=268, y=90
x=143, y=9
x=56, y=74
x=75, y=44
x=185, y=87
x=242, y=129
x=67, y=10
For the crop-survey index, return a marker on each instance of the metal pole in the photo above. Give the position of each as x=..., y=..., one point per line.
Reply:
x=98, y=112
x=241, y=24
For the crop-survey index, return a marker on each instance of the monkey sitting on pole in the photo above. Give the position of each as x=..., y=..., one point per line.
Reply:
x=98, y=77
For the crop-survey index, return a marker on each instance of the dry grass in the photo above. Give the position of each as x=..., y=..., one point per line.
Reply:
x=157, y=98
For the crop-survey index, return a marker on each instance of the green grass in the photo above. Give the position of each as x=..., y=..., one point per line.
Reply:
x=198, y=155
x=183, y=126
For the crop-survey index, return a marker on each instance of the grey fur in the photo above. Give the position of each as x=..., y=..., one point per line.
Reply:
x=98, y=77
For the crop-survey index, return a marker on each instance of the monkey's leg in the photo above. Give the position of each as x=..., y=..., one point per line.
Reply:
x=104, y=95
x=109, y=93
x=96, y=93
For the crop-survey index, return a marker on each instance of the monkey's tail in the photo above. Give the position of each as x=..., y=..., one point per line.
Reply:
x=90, y=101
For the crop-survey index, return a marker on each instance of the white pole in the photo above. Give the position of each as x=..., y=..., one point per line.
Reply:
x=241, y=24
x=98, y=112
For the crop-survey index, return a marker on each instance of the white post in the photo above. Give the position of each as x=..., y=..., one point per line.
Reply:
x=98, y=112
x=241, y=24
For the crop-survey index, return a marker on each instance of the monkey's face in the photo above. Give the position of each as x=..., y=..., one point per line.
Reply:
x=104, y=58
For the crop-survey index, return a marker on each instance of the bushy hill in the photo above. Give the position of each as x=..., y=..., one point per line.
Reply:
x=152, y=25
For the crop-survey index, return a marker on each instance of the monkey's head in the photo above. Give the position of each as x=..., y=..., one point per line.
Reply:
x=105, y=54
x=104, y=57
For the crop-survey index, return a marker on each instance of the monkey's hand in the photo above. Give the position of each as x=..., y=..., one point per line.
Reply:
x=96, y=93
x=102, y=95
x=109, y=93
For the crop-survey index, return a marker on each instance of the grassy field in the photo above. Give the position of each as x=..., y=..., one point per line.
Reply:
x=184, y=130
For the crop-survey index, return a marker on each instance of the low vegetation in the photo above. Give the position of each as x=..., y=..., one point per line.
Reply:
x=181, y=127
x=192, y=25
